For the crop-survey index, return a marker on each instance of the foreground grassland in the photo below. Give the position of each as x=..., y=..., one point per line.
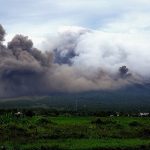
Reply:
x=44, y=132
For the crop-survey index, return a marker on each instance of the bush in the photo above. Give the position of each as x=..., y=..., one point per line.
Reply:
x=145, y=132
x=13, y=126
x=54, y=147
x=97, y=121
x=103, y=122
x=44, y=120
x=29, y=113
x=134, y=124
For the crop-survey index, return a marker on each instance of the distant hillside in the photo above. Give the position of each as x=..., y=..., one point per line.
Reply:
x=132, y=98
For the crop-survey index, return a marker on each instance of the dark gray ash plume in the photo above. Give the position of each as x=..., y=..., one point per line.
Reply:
x=23, y=69
x=2, y=33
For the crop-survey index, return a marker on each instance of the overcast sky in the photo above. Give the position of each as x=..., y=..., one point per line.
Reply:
x=39, y=18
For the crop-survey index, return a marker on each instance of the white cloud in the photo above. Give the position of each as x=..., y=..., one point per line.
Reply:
x=131, y=23
x=38, y=20
x=99, y=50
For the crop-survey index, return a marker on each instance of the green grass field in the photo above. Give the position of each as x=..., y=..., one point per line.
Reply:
x=74, y=133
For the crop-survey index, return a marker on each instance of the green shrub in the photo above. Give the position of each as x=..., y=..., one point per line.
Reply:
x=145, y=132
x=102, y=122
x=134, y=124
x=13, y=126
x=43, y=120
x=97, y=121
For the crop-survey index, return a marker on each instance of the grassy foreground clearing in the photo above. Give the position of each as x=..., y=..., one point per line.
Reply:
x=83, y=144
x=45, y=132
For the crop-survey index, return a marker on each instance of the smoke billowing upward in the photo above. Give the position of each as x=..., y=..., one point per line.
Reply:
x=2, y=33
x=76, y=60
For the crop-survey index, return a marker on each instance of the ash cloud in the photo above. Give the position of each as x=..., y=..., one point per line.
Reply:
x=76, y=60
x=2, y=33
x=23, y=68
